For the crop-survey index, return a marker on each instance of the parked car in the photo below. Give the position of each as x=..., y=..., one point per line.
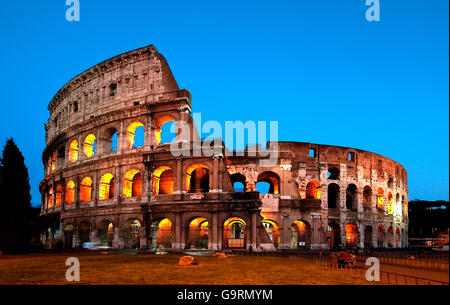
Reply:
x=343, y=258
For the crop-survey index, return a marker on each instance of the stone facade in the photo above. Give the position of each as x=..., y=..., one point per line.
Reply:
x=144, y=196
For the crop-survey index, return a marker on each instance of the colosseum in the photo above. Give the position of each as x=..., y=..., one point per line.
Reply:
x=102, y=184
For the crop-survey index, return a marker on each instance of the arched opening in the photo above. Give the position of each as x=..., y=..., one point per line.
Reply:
x=398, y=243
x=58, y=195
x=273, y=232
x=73, y=151
x=135, y=134
x=270, y=178
x=84, y=230
x=234, y=233
x=89, y=145
x=86, y=189
x=239, y=182
x=131, y=234
x=132, y=184
x=111, y=136
x=163, y=179
x=333, y=196
x=334, y=235
x=390, y=204
x=50, y=198
x=390, y=183
x=197, y=234
x=368, y=235
x=162, y=130
x=106, y=187
x=333, y=173
x=105, y=233
x=367, y=197
x=53, y=163
x=380, y=198
x=351, y=201
x=380, y=236
x=300, y=235
x=351, y=235
x=161, y=234
x=313, y=190
x=68, y=236
x=70, y=192
x=197, y=179
x=390, y=239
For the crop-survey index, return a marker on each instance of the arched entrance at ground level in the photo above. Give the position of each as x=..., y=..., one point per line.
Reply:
x=161, y=234
x=234, y=233
x=398, y=240
x=380, y=236
x=300, y=235
x=272, y=230
x=68, y=236
x=351, y=235
x=105, y=233
x=390, y=238
x=368, y=235
x=197, y=234
x=84, y=230
x=334, y=236
x=131, y=234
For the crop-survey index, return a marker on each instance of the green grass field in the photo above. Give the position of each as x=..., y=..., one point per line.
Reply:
x=141, y=269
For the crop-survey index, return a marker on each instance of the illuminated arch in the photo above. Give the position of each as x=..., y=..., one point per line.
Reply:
x=272, y=230
x=313, y=190
x=105, y=233
x=58, y=195
x=131, y=133
x=234, y=233
x=380, y=198
x=161, y=233
x=197, y=234
x=351, y=235
x=159, y=123
x=300, y=232
x=73, y=151
x=89, y=145
x=131, y=233
x=106, y=187
x=163, y=180
x=132, y=184
x=86, y=189
x=53, y=163
x=197, y=178
x=273, y=179
x=390, y=204
x=70, y=192
x=50, y=198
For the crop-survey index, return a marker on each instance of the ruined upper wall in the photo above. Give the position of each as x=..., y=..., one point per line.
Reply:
x=139, y=76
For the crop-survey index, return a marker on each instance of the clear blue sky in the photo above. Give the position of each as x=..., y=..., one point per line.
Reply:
x=318, y=67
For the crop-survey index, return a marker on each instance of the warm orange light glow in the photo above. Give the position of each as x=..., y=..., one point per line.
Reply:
x=106, y=187
x=70, y=192
x=189, y=177
x=271, y=178
x=313, y=190
x=132, y=184
x=160, y=122
x=232, y=220
x=351, y=235
x=53, y=161
x=86, y=189
x=50, y=198
x=380, y=198
x=73, y=151
x=88, y=145
x=131, y=130
x=163, y=180
x=58, y=195
x=165, y=223
x=390, y=204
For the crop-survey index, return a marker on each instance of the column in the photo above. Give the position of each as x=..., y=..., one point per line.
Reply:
x=179, y=177
x=177, y=241
x=253, y=231
x=215, y=180
x=214, y=228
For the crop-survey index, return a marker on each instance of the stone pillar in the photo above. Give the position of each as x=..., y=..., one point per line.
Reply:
x=215, y=175
x=118, y=187
x=286, y=234
x=95, y=187
x=253, y=230
x=179, y=177
x=178, y=226
x=214, y=228
x=361, y=231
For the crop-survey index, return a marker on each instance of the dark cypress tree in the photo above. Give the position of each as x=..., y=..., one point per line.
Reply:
x=15, y=200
